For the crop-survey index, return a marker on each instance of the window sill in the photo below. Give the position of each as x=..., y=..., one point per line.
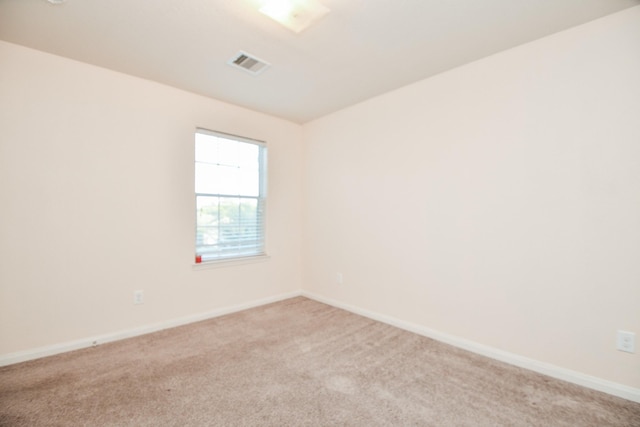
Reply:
x=205, y=265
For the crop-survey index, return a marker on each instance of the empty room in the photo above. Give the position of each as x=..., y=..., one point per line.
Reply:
x=319, y=212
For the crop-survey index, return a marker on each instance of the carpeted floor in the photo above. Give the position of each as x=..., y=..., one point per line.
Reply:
x=293, y=363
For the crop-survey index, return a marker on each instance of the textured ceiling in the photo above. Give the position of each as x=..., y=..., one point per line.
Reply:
x=362, y=48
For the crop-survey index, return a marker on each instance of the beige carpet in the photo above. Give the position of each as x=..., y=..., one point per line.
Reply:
x=292, y=363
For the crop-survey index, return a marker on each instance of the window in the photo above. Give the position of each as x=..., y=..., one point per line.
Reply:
x=230, y=186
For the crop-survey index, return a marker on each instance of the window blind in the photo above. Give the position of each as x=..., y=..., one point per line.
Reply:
x=230, y=194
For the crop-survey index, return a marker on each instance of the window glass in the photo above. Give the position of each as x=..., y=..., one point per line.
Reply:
x=230, y=199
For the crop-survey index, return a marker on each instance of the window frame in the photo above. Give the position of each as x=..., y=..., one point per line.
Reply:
x=261, y=199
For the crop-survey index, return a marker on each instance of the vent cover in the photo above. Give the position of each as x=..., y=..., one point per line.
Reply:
x=249, y=63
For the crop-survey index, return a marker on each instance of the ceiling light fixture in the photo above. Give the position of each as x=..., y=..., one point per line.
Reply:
x=296, y=15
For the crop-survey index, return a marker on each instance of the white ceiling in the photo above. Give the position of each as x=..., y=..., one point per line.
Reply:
x=361, y=49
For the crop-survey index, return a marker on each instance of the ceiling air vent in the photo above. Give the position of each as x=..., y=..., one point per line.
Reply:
x=249, y=63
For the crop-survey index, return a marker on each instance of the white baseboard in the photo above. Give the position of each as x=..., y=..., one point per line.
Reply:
x=609, y=387
x=23, y=356
x=595, y=383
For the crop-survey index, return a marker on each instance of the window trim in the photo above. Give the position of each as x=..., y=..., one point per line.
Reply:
x=262, y=196
x=230, y=262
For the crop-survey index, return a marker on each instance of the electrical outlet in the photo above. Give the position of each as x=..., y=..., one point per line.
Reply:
x=339, y=278
x=138, y=297
x=626, y=341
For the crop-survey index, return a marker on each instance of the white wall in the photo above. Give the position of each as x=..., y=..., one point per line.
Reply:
x=96, y=194
x=498, y=202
